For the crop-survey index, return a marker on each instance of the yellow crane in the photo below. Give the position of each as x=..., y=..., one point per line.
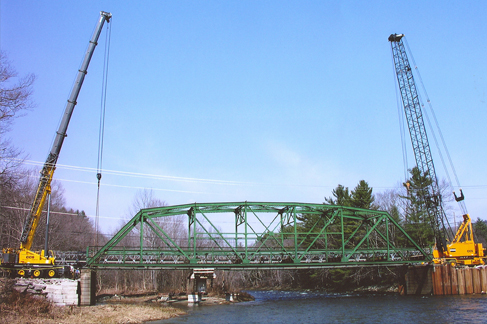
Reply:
x=462, y=249
x=23, y=261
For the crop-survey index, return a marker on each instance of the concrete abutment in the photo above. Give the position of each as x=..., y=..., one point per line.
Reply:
x=87, y=287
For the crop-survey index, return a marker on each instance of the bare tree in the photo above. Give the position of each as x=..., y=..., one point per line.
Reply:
x=145, y=199
x=15, y=99
x=69, y=229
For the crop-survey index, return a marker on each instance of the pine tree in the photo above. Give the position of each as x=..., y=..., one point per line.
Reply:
x=418, y=224
x=342, y=196
x=362, y=197
x=480, y=230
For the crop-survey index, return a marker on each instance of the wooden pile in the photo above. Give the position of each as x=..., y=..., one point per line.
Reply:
x=449, y=280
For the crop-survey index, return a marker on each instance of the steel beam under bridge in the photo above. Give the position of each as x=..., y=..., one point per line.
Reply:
x=246, y=235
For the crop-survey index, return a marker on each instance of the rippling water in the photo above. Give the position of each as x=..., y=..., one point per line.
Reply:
x=312, y=307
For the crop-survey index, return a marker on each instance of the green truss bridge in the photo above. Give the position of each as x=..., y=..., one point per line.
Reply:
x=253, y=235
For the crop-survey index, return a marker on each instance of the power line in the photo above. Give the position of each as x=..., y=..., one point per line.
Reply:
x=172, y=178
x=143, y=175
x=121, y=186
x=64, y=213
x=183, y=179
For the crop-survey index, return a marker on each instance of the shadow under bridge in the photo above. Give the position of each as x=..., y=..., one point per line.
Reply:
x=253, y=235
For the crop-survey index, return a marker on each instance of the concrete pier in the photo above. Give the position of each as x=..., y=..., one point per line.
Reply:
x=198, y=283
x=87, y=287
x=194, y=298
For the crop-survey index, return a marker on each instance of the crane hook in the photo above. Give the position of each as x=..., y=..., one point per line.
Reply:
x=461, y=195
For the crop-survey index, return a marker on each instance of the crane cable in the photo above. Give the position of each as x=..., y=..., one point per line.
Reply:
x=101, y=131
x=445, y=148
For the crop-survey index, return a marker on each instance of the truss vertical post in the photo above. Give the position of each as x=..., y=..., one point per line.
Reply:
x=190, y=217
x=282, y=228
x=236, y=230
x=368, y=238
x=343, y=233
x=387, y=236
x=195, y=242
x=326, y=245
x=246, y=233
x=141, y=238
x=296, y=259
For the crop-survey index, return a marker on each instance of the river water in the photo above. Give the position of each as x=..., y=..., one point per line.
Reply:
x=313, y=307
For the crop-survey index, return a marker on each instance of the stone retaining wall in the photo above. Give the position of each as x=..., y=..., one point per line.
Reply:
x=61, y=292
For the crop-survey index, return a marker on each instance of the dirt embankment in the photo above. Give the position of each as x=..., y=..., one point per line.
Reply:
x=20, y=308
x=25, y=310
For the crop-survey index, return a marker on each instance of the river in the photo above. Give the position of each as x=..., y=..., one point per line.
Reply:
x=313, y=307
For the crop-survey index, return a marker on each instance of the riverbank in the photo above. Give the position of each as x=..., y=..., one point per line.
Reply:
x=17, y=308
x=21, y=307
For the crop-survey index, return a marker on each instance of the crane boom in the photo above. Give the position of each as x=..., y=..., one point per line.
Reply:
x=419, y=138
x=47, y=171
x=448, y=249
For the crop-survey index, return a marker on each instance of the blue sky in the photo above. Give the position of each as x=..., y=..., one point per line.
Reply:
x=212, y=101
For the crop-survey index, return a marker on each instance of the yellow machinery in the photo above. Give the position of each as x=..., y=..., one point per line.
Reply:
x=463, y=249
x=23, y=261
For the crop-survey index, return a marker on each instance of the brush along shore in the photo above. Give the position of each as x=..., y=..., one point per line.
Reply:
x=21, y=307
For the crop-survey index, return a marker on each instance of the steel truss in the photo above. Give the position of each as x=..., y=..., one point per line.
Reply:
x=263, y=235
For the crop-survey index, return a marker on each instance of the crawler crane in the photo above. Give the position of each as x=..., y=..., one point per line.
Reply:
x=461, y=249
x=22, y=261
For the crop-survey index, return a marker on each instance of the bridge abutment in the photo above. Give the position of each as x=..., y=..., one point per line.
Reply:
x=87, y=287
x=419, y=280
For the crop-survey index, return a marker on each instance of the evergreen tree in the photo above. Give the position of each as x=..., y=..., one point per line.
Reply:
x=418, y=224
x=480, y=230
x=342, y=196
x=362, y=197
